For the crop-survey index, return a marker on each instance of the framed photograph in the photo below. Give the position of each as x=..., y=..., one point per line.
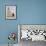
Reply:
x=10, y=12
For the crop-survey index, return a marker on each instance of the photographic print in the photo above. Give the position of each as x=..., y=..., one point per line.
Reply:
x=10, y=12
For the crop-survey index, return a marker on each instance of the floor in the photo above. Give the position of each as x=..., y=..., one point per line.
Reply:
x=30, y=43
x=7, y=45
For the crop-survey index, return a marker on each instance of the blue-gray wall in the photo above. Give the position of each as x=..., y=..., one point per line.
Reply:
x=28, y=12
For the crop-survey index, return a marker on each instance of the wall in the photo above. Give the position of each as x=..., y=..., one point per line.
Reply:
x=28, y=12
x=7, y=26
x=32, y=11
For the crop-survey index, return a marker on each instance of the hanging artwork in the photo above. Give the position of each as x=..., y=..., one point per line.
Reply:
x=10, y=12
